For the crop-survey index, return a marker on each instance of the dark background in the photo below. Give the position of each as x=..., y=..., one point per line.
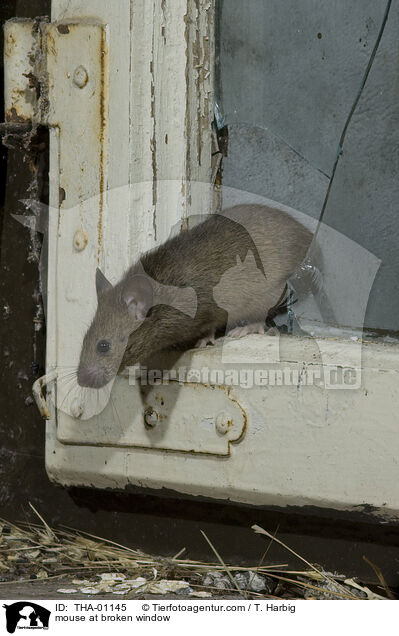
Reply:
x=161, y=524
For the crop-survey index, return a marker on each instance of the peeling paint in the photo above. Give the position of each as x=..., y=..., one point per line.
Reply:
x=20, y=45
x=197, y=66
x=153, y=140
x=164, y=20
x=102, y=138
x=24, y=87
x=199, y=37
x=187, y=118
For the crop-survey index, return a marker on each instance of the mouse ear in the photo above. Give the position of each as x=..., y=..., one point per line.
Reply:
x=138, y=296
x=102, y=284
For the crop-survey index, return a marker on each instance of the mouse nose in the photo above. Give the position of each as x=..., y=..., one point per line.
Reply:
x=92, y=377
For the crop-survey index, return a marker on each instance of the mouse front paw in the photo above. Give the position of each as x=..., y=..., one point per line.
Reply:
x=203, y=342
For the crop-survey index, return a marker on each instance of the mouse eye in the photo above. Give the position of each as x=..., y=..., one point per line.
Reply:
x=103, y=346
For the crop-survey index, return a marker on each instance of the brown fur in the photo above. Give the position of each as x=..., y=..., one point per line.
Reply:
x=237, y=263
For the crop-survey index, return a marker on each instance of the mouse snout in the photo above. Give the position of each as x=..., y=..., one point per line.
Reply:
x=92, y=377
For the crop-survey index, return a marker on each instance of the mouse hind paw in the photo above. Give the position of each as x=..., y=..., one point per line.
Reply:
x=245, y=330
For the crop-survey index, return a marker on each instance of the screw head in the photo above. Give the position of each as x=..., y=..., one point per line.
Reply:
x=151, y=417
x=222, y=423
x=80, y=76
x=80, y=240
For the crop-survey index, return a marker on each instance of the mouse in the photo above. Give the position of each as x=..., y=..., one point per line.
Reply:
x=221, y=277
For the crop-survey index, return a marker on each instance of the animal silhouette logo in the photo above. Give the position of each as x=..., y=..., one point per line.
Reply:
x=26, y=615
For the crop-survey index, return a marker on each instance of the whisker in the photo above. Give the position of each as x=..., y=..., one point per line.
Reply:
x=64, y=383
x=65, y=377
x=73, y=387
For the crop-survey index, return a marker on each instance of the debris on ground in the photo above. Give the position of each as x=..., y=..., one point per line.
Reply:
x=247, y=580
x=117, y=583
x=89, y=564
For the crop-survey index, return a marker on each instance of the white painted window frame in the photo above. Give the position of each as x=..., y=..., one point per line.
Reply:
x=299, y=444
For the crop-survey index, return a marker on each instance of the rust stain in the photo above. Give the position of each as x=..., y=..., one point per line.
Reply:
x=12, y=115
x=51, y=46
x=29, y=91
x=40, y=69
x=9, y=45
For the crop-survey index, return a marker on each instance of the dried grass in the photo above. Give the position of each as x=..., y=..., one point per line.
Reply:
x=34, y=551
